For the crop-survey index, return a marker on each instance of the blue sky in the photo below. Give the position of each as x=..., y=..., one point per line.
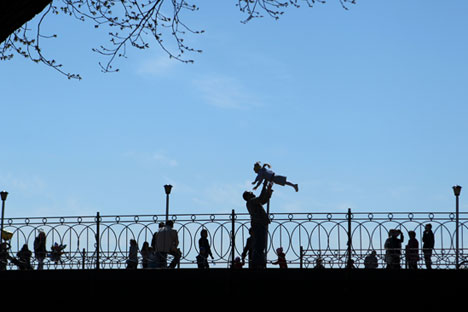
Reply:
x=364, y=108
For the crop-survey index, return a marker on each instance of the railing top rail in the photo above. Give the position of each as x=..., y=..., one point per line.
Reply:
x=156, y=218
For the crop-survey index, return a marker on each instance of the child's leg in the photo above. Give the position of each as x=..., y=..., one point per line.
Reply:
x=296, y=187
x=282, y=180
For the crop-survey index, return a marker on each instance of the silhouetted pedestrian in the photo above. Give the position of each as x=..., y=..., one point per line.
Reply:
x=428, y=245
x=40, y=249
x=145, y=254
x=203, y=243
x=155, y=235
x=412, y=251
x=4, y=256
x=167, y=241
x=370, y=261
x=132, y=261
x=259, y=223
x=152, y=258
x=23, y=260
x=248, y=249
x=393, y=249
x=281, y=259
x=202, y=259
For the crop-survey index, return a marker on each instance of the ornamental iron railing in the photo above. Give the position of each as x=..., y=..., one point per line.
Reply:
x=102, y=242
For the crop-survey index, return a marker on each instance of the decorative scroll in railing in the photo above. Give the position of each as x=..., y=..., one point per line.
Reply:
x=304, y=237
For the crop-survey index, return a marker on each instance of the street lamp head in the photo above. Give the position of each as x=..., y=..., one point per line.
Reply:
x=457, y=190
x=168, y=188
x=4, y=195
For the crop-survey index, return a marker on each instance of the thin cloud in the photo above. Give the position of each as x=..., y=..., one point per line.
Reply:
x=156, y=66
x=24, y=184
x=165, y=160
x=160, y=158
x=225, y=92
x=221, y=197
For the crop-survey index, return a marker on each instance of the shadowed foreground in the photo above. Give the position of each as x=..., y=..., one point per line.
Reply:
x=425, y=286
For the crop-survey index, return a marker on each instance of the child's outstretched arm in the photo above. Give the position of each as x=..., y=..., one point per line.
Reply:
x=259, y=179
x=258, y=184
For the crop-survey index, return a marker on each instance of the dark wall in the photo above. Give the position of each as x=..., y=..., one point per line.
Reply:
x=337, y=286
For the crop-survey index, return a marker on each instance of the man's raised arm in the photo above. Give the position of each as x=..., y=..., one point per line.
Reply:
x=266, y=192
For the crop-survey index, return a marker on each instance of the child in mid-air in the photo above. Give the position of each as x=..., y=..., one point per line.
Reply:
x=263, y=173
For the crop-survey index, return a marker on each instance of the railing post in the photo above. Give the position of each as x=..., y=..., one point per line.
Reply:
x=456, y=192
x=301, y=256
x=350, y=243
x=457, y=238
x=83, y=259
x=98, y=239
x=233, y=237
x=266, y=238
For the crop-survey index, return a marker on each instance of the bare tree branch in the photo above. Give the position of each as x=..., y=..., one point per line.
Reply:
x=131, y=23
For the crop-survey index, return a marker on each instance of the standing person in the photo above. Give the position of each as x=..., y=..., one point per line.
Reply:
x=155, y=235
x=428, y=245
x=393, y=249
x=40, y=249
x=24, y=258
x=145, y=255
x=265, y=174
x=157, y=259
x=412, y=251
x=152, y=260
x=132, y=262
x=248, y=249
x=388, y=252
x=259, y=223
x=203, y=243
x=167, y=241
x=202, y=259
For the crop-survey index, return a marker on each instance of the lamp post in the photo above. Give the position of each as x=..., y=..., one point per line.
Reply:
x=3, y=195
x=168, y=189
x=456, y=192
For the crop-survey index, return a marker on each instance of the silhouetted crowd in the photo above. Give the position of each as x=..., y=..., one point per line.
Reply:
x=154, y=255
x=394, y=250
x=24, y=255
x=164, y=246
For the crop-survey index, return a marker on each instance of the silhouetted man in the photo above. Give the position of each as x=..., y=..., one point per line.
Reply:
x=166, y=243
x=248, y=249
x=412, y=251
x=259, y=224
x=428, y=245
x=393, y=249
